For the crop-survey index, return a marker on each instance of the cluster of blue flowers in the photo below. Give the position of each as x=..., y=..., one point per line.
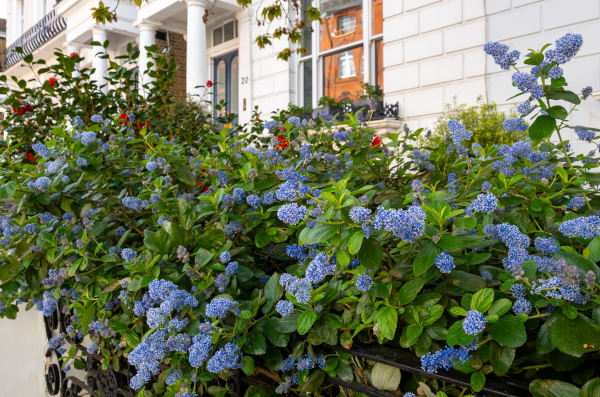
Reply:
x=41, y=184
x=584, y=227
x=474, y=323
x=445, y=262
x=446, y=358
x=485, y=202
x=221, y=307
x=135, y=203
x=292, y=214
x=501, y=55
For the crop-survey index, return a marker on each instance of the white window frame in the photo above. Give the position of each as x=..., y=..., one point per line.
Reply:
x=222, y=26
x=317, y=56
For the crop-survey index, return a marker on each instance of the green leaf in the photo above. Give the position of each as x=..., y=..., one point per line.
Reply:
x=306, y=321
x=557, y=112
x=570, y=336
x=273, y=292
x=370, y=254
x=248, y=365
x=477, y=381
x=355, y=242
x=385, y=377
x=594, y=247
x=569, y=311
x=552, y=388
x=542, y=128
x=409, y=291
x=7, y=190
x=255, y=343
x=509, y=331
x=425, y=258
x=413, y=331
x=88, y=316
x=564, y=95
x=457, y=336
x=500, y=307
x=501, y=358
x=534, y=58
x=482, y=300
x=318, y=234
x=591, y=388
x=202, y=257
x=276, y=337
x=262, y=238
x=451, y=243
x=387, y=321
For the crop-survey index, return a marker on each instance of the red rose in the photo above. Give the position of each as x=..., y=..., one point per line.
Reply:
x=209, y=83
x=52, y=81
x=256, y=118
x=74, y=55
x=376, y=141
x=29, y=108
x=123, y=118
x=282, y=129
x=30, y=157
x=21, y=110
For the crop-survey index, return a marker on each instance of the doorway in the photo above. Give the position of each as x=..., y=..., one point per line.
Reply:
x=226, y=76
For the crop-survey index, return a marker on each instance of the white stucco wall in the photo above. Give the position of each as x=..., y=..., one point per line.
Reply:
x=433, y=51
x=22, y=355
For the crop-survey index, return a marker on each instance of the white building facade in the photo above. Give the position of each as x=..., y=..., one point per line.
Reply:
x=422, y=53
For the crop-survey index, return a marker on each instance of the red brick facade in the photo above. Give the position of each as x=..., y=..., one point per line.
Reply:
x=177, y=50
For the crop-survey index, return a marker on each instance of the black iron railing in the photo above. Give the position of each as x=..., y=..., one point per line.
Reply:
x=36, y=36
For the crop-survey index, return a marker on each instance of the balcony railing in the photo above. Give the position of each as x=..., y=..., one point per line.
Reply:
x=36, y=36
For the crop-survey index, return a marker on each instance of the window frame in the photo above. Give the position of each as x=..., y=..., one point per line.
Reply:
x=369, y=62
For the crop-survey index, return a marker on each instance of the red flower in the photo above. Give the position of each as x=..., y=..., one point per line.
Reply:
x=203, y=170
x=21, y=110
x=73, y=55
x=123, y=118
x=30, y=157
x=376, y=141
x=283, y=143
x=139, y=126
x=52, y=81
x=209, y=83
x=256, y=118
x=282, y=129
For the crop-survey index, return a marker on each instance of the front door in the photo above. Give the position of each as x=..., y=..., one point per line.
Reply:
x=226, y=76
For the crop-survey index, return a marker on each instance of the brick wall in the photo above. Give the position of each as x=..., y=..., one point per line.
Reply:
x=177, y=50
x=433, y=51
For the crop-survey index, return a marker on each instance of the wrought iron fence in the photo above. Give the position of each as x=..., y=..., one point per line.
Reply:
x=111, y=382
x=36, y=36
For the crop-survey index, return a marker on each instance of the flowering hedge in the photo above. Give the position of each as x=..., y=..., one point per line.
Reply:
x=198, y=253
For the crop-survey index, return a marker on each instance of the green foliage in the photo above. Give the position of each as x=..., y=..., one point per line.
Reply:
x=483, y=119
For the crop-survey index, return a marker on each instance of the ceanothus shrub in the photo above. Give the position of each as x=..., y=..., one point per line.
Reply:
x=254, y=247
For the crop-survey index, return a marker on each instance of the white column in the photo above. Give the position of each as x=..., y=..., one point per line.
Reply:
x=245, y=107
x=367, y=29
x=147, y=39
x=99, y=63
x=196, y=63
x=71, y=48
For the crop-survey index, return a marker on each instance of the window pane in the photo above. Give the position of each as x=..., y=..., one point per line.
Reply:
x=307, y=33
x=341, y=23
x=379, y=63
x=234, y=85
x=342, y=74
x=221, y=82
x=218, y=35
x=229, y=31
x=307, y=80
x=377, y=17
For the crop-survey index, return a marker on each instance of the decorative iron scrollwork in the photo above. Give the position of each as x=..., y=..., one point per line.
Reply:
x=35, y=37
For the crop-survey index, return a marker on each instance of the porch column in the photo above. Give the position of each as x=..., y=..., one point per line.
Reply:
x=147, y=39
x=73, y=48
x=244, y=18
x=99, y=63
x=196, y=62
